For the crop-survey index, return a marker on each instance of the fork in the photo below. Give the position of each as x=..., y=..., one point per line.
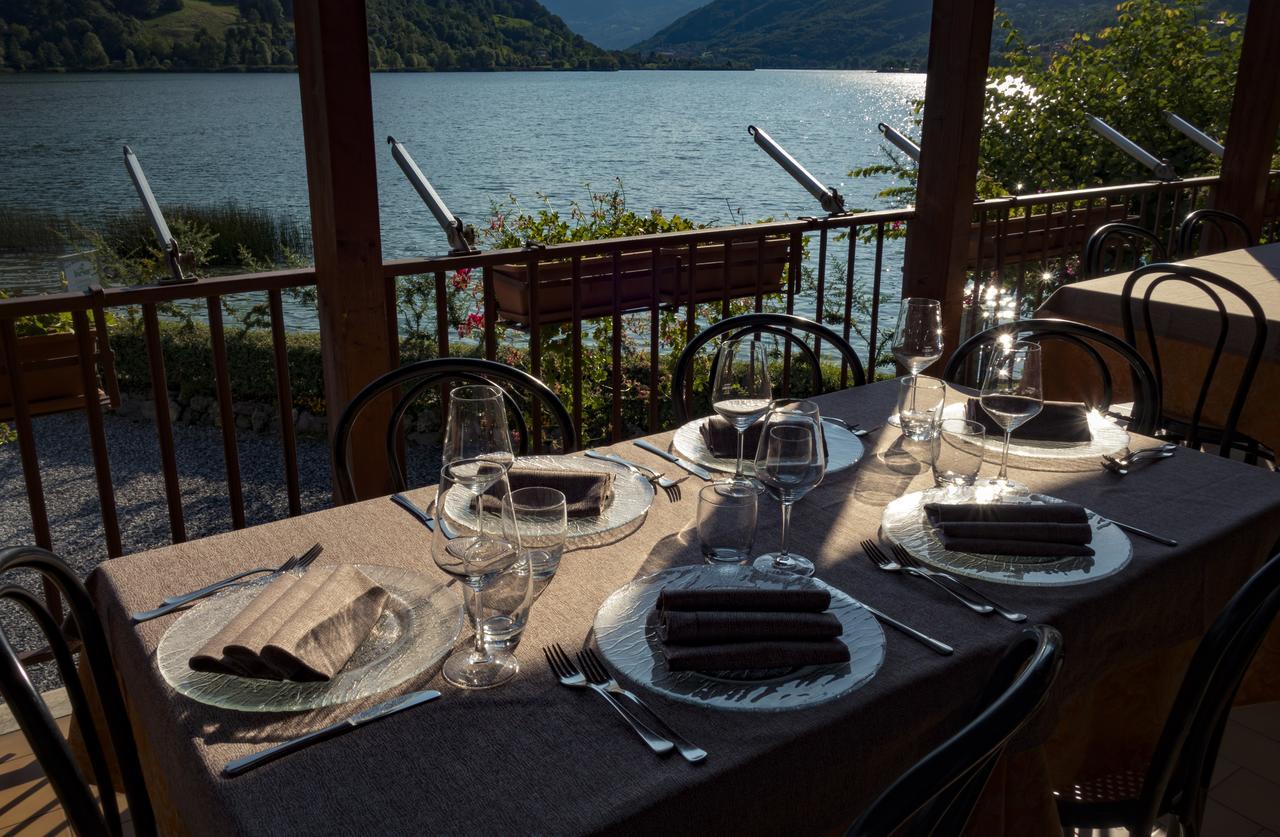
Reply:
x=670, y=486
x=884, y=562
x=906, y=559
x=299, y=562
x=596, y=673
x=568, y=675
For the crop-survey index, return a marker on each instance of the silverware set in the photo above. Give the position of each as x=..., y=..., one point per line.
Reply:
x=669, y=486
x=1120, y=464
x=169, y=605
x=969, y=596
x=697, y=470
x=589, y=673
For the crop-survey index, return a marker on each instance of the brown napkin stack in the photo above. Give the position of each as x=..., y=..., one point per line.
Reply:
x=748, y=628
x=1059, y=421
x=1049, y=530
x=302, y=628
x=586, y=493
x=722, y=438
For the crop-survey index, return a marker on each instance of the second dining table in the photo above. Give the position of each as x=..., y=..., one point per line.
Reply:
x=532, y=757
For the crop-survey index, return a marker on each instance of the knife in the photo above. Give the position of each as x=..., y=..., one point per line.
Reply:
x=412, y=508
x=1143, y=533
x=237, y=766
x=697, y=470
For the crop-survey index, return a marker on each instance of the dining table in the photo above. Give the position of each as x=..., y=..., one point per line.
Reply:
x=534, y=757
x=1186, y=325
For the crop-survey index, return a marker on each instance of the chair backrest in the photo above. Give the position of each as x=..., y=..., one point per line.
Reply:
x=1087, y=338
x=414, y=379
x=1183, y=762
x=1209, y=284
x=38, y=726
x=1229, y=229
x=1119, y=238
x=937, y=795
x=786, y=326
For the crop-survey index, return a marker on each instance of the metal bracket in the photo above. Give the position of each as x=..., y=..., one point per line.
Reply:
x=168, y=243
x=461, y=237
x=1161, y=168
x=831, y=200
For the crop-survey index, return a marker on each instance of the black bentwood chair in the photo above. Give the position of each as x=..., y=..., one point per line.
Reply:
x=937, y=795
x=1192, y=433
x=1146, y=406
x=1228, y=229
x=1118, y=239
x=785, y=326
x=414, y=379
x=1176, y=784
x=51, y=750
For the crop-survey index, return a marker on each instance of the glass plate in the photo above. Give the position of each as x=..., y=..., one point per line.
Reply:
x=626, y=633
x=632, y=496
x=419, y=625
x=904, y=523
x=1108, y=439
x=844, y=449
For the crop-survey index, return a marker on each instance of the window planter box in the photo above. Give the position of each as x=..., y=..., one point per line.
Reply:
x=51, y=375
x=708, y=274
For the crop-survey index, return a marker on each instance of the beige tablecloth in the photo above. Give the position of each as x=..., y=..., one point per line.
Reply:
x=533, y=757
x=1186, y=325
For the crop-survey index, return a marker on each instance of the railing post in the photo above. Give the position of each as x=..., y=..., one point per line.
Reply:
x=355, y=309
x=1255, y=118
x=938, y=238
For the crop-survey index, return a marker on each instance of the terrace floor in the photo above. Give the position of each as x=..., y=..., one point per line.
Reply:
x=1244, y=801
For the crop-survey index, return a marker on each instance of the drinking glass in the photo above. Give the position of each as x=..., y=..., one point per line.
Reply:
x=1012, y=395
x=486, y=563
x=920, y=401
x=791, y=460
x=917, y=339
x=742, y=391
x=543, y=517
x=477, y=426
x=726, y=522
x=957, y=452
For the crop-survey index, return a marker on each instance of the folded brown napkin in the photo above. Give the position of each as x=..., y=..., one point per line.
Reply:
x=755, y=655
x=586, y=493
x=302, y=628
x=721, y=438
x=1058, y=421
x=1024, y=529
x=708, y=627
x=798, y=599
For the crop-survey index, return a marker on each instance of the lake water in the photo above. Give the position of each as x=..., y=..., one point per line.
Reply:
x=677, y=140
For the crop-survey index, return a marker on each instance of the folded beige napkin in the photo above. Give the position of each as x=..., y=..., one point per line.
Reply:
x=586, y=493
x=302, y=628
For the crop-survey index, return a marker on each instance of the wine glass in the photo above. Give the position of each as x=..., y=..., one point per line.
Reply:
x=917, y=340
x=479, y=559
x=1012, y=395
x=791, y=460
x=477, y=426
x=742, y=392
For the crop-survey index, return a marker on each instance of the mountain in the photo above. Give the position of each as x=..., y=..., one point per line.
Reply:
x=258, y=35
x=616, y=24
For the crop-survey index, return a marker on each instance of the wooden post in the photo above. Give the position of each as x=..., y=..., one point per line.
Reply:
x=337, y=124
x=938, y=237
x=1255, y=118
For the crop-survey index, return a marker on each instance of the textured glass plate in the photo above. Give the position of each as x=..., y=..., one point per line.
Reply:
x=843, y=449
x=632, y=496
x=626, y=632
x=1109, y=438
x=904, y=523
x=419, y=625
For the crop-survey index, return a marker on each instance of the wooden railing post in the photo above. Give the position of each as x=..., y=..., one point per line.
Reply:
x=938, y=238
x=1255, y=118
x=337, y=124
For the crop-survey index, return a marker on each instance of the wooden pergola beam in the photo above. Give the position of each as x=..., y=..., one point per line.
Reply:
x=356, y=311
x=938, y=237
x=1255, y=118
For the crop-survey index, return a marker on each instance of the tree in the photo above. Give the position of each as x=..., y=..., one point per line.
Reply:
x=48, y=56
x=130, y=61
x=92, y=55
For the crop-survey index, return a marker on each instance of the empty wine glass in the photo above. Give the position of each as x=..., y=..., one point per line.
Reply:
x=1012, y=395
x=917, y=340
x=791, y=460
x=480, y=560
x=477, y=426
x=742, y=390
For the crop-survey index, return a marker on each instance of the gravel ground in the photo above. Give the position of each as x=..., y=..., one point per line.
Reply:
x=70, y=489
